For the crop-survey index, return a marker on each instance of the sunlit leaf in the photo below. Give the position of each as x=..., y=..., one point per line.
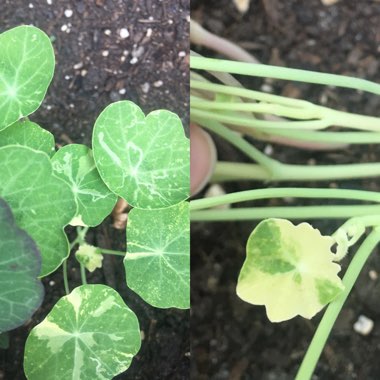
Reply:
x=42, y=203
x=145, y=160
x=89, y=334
x=75, y=165
x=289, y=269
x=157, y=263
x=26, y=69
x=27, y=133
x=21, y=293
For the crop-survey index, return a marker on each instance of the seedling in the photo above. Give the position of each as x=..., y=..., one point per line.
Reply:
x=291, y=269
x=90, y=333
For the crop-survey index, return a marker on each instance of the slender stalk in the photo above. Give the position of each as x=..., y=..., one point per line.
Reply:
x=233, y=171
x=286, y=192
x=284, y=73
x=248, y=94
x=261, y=125
x=65, y=277
x=287, y=212
x=236, y=140
x=112, y=252
x=328, y=137
x=325, y=326
x=83, y=274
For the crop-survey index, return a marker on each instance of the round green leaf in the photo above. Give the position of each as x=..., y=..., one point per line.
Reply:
x=145, y=160
x=89, y=334
x=289, y=269
x=26, y=70
x=75, y=165
x=157, y=262
x=20, y=263
x=27, y=133
x=42, y=203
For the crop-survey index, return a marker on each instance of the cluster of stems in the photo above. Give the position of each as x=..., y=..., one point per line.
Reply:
x=233, y=112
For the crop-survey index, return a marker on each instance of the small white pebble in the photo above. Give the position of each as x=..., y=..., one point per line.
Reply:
x=122, y=91
x=133, y=61
x=68, y=13
x=149, y=32
x=107, y=32
x=125, y=53
x=363, y=325
x=51, y=283
x=268, y=150
x=373, y=275
x=266, y=88
x=67, y=77
x=64, y=28
x=150, y=18
x=78, y=66
x=182, y=54
x=124, y=33
x=49, y=107
x=158, y=83
x=31, y=5
x=83, y=73
x=105, y=53
x=122, y=58
x=71, y=105
x=50, y=2
x=170, y=21
x=145, y=87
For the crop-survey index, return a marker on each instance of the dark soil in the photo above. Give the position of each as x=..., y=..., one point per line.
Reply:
x=232, y=339
x=95, y=67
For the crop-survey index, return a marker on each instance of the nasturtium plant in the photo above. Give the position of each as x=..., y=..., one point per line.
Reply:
x=26, y=69
x=21, y=293
x=289, y=269
x=157, y=262
x=89, y=334
x=143, y=159
x=27, y=133
x=42, y=203
x=75, y=165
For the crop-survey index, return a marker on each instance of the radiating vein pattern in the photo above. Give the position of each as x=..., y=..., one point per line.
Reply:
x=89, y=334
x=41, y=202
x=20, y=263
x=145, y=160
x=26, y=70
x=75, y=165
x=157, y=262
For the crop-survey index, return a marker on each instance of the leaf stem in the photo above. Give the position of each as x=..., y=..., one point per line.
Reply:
x=65, y=277
x=112, y=252
x=285, y=192
x=284, y=73
x=83, y=274
x=235, y=171
x=324, y=328
x=298, y=212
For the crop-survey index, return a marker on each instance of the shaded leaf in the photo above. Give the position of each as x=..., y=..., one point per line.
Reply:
x=42, y=203
x=21, y=293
